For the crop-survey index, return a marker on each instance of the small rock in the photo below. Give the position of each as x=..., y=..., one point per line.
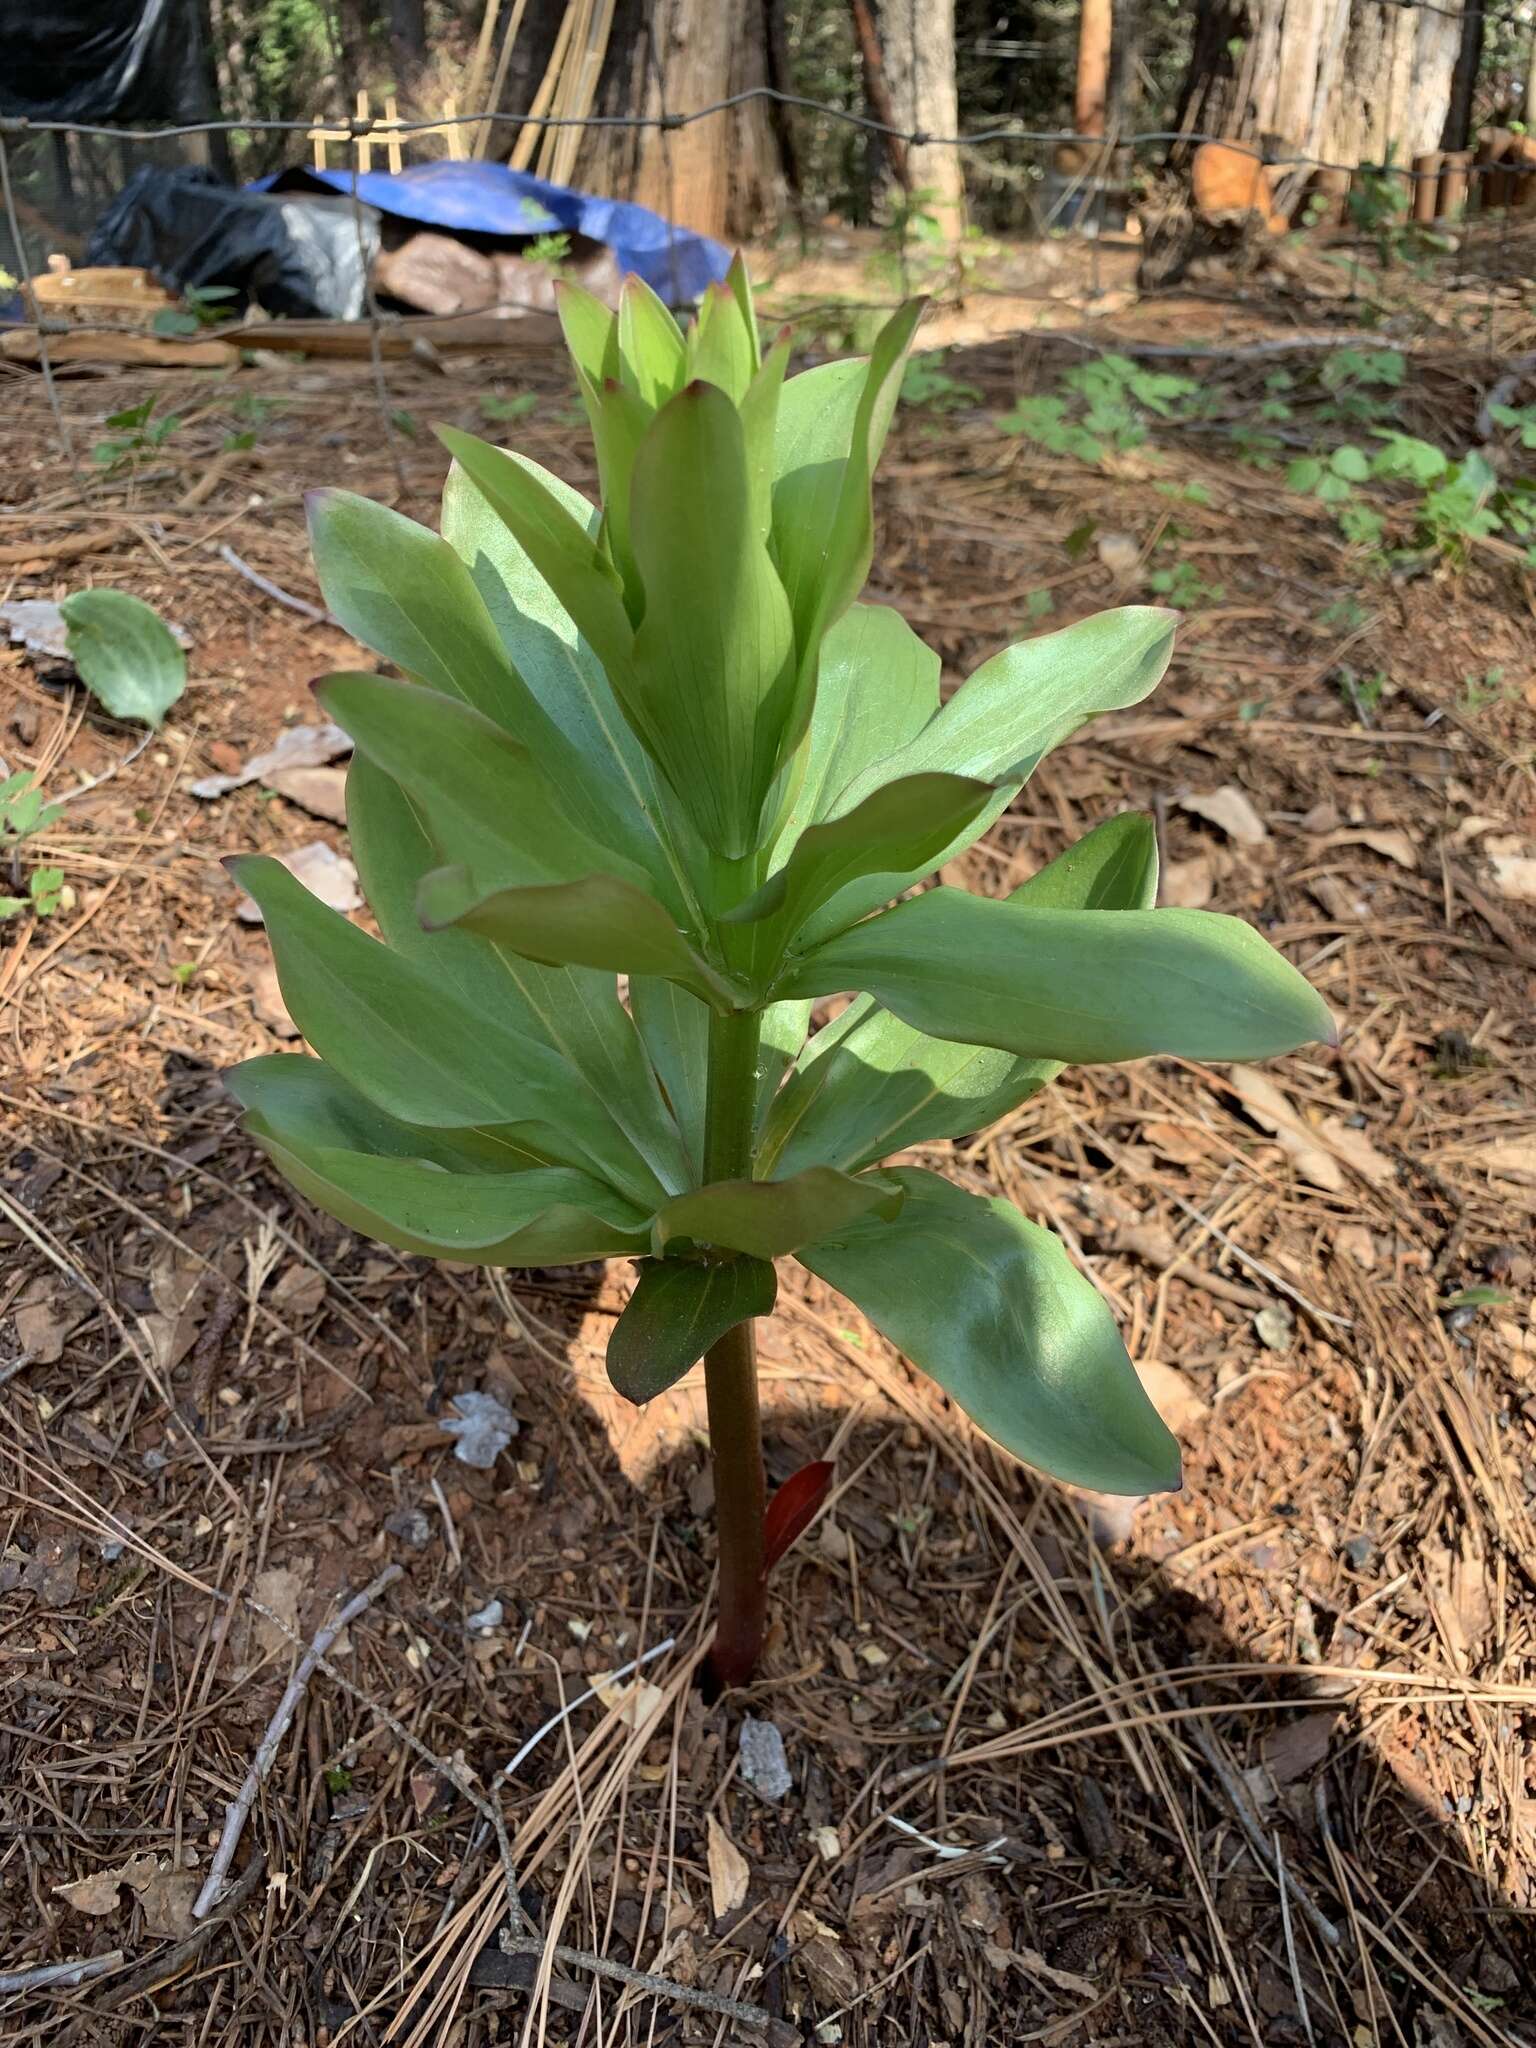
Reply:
x=484, y=1427
x=411, y=1526
x=490, y=1616
x=324, y=873
x=763, y=1764
x=1359, y=1550
x=1275, y=1326
x=1121, y=555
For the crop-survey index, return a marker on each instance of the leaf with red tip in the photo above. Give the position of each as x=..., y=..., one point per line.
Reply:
x=793, y=1509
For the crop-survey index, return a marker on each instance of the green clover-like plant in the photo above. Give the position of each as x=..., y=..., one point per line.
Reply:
x=660, y=738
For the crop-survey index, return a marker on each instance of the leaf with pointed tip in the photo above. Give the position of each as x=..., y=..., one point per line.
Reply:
x=1000, y=722
x=307, y=1100
x=795, y=1505
x=404, y=592
x=991, y=1307
x=591, y=331
x=484, y=798
x=720, y=349
x=1032, y=696
x=902, y=825
x=595, y=921
x=767, y=1218
x=549, y=1215
x=568, y=559
x=613, y=1102
x=677, y=1311
x=714, y=692
x=412, y=1045
x=739, y=278
x=759, y=411
x=563, y=673
x=832, y=423
x=877, y=688
x=653, y=356
x=868, y=1085
x=1073, y=985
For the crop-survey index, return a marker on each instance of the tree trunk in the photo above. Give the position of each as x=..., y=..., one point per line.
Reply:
x=917, y=41
x=1457, y=133
x=407, y=38
x=1095, y=36
x=721, y=176
x=1346, y=81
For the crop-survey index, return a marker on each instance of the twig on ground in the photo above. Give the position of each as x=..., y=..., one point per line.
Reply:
x=275, y=591
x=1237, y=1799
x=239, y=1813
x=164, y=1968
x=60, y=1976
x=638, y=1980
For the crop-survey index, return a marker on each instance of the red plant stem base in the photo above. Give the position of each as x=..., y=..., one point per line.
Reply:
x=736, y=1443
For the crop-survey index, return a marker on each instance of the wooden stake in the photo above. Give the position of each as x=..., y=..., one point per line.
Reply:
x=529, y=137
x=475, y=84
x=364, y=145
x=392, y=142
x=1095, y=33
x=485, y=134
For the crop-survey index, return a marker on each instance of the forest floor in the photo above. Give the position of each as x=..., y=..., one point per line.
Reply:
x=1255, y=1763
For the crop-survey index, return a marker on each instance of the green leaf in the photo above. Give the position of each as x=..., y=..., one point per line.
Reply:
x=1032, y=696
x=780, y=1038
x=653, y=356
x=877, y=688
x=563, y=673
x=302, y=1100
x=413, y=1046
x=714, y=695
x=1351, y=464
x=404, y=592
x=739, y=278
x=759, y=413
x=125, y=654
x=574, y=1011
x=720, y=349
x=562, y=551
x=991, y=1307
x=546, y=1216
x=677, y=1311
x=596, y=921
x=903, y=826
x=868, y=1085
x=591, y=332
x=1012, y=711
x=1073, y=985
x=767, y=1218
x=483, y=796
x=674, y=1028
x=831, y=427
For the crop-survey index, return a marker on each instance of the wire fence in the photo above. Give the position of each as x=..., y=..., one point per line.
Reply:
x=1076, y=205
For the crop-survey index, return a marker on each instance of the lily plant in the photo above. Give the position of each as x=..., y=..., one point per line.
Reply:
x=647, y=784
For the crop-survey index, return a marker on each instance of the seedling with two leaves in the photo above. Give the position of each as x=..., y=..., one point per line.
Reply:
x=660, y=737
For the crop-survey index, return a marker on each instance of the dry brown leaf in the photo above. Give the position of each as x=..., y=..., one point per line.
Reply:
x=1269, y=1106
x=48, y=1310
x=1187, y=884
x=280, y=1588
x=320, y=791
x=1514, y=876
x=1230, y=811
x=1513, y=1156
x=324, y=873
x=1357, y=1243
x=300, y=1290
x=1390, y=843
x=98, y=1893
x=1292, y=1751
x=1356, y=1150
x=1180, y=1143
x=1173, y=1395
x=729, y=1871
x=52, y=1572
x=1457, y=1587
x=167, y=1897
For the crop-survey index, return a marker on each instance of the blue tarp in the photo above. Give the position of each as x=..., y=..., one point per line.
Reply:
x=491, y=199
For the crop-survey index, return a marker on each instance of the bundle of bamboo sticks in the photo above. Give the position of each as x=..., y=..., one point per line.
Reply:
x=565, y=94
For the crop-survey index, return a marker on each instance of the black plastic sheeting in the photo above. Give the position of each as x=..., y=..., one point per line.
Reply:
x=294, y=254
x=102, y=60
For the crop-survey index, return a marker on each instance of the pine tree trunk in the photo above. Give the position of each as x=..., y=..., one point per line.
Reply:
x=722, y=176
x=1347, y=81
x=917, y=42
